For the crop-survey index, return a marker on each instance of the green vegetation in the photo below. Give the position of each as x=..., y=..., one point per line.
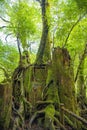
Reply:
x=43, y=63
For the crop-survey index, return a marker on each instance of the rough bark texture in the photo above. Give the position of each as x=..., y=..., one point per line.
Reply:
x=45, y=41
x=5, y=105
x=43, y=56
x=18, y=94
x=81, y=88
x=62, y=73
x=20, y=91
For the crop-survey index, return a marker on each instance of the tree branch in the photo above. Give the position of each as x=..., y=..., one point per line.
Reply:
x=80, y=63
x=75, y=116
x=4, y=20
x=80, y=18
x=7, y=36
x=19, y=49
x=3, y=27
x=39, y=1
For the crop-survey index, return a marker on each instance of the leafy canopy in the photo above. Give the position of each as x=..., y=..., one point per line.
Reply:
x=21, y=21
x=82, y=4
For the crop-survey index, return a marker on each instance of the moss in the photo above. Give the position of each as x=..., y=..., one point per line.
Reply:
x=52, y=94
x=49, y=117
x=1, y=103
x=44, y=48
x=40, y=75
x=63, y=77
x=5, y=118
x=5, y=105
x=25, y=60
x=26, y=77
x=47, y=55
x=50, y=111
x=49, y=75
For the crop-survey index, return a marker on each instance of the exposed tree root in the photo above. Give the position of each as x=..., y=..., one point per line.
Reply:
x=59, y=123
x=34, y=116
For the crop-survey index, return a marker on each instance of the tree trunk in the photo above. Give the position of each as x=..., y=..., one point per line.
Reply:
x=63, y=77
x=81, y=88
x=44, y=48
x=20, y=91
x=5, y=105
x=40, y=70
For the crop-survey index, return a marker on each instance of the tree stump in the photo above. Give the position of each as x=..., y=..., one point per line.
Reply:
x=63, y=77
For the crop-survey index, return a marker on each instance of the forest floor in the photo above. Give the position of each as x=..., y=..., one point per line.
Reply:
x=36, y=127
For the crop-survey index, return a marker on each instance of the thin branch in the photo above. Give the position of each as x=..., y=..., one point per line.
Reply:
x=3, y=27
x=4, y=20
x=59, y=123
x=80, y=18
x=39, y=1
x=84, y=121
x=7, y=36
x=6, y=27
x=19, y=49
x=80, y=63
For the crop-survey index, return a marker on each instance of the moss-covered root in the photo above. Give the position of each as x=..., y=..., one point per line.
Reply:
x=49, y=117
x=49, y=112
x=59, y=123
x=34, y=116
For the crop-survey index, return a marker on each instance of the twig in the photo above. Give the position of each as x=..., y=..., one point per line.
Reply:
x=7, y=36
x=4, y=20
x=3, y=27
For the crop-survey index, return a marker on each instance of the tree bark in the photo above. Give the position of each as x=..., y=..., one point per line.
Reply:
x=63, y=77
x=81, y=88
x=44, y=43
x=5, y=105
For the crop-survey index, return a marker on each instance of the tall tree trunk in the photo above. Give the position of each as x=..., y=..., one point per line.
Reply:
x=45, y=40
x=40, y=69
x=79, y=79
x=81, y=88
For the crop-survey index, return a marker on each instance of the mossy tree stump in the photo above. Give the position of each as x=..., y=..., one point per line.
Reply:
x=62, y=73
